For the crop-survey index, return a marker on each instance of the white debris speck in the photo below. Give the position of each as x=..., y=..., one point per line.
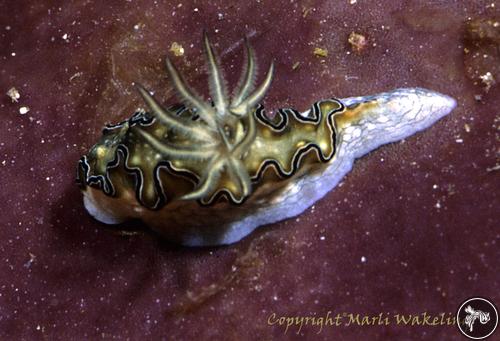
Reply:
x=13, y=54
x=78, y=74
x=24, y=110
x=30, y=261
x=177, y=49
x=438, y=205
x=196, y=9
x=139, y=26
x=352, y=2
x=459, y=141
x=14, y=94
x=488, y=80
x=363, y=259
x=322, y=238
x=65, y=36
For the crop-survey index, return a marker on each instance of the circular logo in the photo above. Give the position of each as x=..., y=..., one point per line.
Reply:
x=477, y=318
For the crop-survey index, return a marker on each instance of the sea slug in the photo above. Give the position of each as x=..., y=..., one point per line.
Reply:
x=209, y=173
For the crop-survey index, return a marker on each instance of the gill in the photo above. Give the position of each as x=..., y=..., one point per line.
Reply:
x=214, y=140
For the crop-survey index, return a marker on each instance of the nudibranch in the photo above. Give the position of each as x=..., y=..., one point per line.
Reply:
x=209, y=173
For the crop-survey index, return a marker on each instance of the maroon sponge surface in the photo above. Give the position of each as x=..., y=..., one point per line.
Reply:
x=413, y=228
